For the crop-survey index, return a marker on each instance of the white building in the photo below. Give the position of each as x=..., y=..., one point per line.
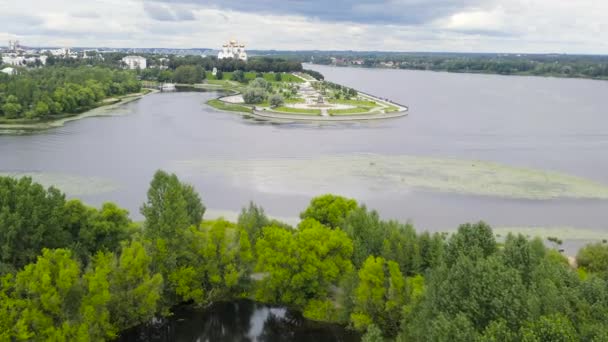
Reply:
x=9, y=71
x=13, y=59
x=135, y=62
x=233, y=50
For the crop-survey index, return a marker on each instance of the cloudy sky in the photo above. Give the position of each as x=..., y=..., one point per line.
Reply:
x=561, y=26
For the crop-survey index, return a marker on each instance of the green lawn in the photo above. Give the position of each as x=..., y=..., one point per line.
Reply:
x=217, y=104
x=298, y=110
x=357, y=110
x=357, y=103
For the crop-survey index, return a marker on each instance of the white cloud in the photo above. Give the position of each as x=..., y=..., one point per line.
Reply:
x=498, y=26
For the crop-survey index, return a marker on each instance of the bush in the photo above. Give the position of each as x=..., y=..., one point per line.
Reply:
x=238, y=76
x=259, y=83
x=254, y=95
x=276, y=100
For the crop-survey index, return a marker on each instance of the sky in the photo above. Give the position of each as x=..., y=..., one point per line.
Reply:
x=515, y=26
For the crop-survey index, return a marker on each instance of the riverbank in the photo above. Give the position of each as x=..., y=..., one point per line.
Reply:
x=103, y=108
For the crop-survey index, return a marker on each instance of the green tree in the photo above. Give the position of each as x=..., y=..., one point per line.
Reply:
x=239, y=76
x=30, y=218
x=301, y=266
x=330, y=210
x=380, y=296
x=473, y=240
x=252, y=219
x=171, y=208
x=553, y=328
x=594, y=258
x=135, y=290
x=276, y=100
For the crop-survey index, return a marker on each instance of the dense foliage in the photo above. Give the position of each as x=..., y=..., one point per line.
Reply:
x=46, y=92
x=70, y=272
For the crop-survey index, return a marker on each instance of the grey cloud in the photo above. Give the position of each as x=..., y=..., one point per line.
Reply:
x=165, y=12
x=399, y=12
x=19, y=24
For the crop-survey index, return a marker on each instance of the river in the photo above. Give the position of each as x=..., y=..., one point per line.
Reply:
x=522, y=153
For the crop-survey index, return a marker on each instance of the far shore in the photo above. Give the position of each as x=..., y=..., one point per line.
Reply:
x=102, y=109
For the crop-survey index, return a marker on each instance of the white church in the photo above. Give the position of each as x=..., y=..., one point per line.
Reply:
x=233, y=50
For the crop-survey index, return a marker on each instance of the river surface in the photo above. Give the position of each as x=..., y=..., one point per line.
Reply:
x=522, y=153
x=239, y=321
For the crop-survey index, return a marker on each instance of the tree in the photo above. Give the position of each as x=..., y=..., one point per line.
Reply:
x=301, y=266
x=30, y=218
x=276, y=100
x=553, y=328
x=239, y=76
x=380, y=296
x=278, y=77
x=252, y=219
x=330, y=210
x=135, y=290
x=171, y=208
x=473, y=240
x=254, y=95
x=594, y=258
x=259, y=83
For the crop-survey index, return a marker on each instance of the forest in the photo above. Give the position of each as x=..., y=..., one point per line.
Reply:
x=72, y=272
x=45, y=93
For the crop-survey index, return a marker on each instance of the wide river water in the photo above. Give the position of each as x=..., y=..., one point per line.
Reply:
x=522, y=153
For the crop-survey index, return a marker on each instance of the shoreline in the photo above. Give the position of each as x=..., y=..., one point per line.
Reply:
x=100, y=110
x=280, y=117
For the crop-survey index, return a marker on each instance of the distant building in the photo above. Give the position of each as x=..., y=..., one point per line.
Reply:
x=9, y=71
x=233, y=50
x=135, y=62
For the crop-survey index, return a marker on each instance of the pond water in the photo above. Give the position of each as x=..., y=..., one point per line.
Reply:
x=518, y=152
x=238, y=321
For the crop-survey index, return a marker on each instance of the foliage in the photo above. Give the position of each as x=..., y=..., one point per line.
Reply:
x=328, y=209
x=276, y=100
x=33, y=218
x=594, y=258
x=380, y=296
x=171, y=208
x=71, y=272
x=189, y=74
x=239, y=76
x=254, y=95
x=301, y=265
x=50, y=91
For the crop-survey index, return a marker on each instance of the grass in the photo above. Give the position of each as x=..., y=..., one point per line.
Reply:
x=356, y=110
x=217, y=104
x=298, y=110
x=356, y=103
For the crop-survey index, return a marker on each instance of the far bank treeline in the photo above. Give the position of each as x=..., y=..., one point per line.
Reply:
x=71, y=272
x=556, y=65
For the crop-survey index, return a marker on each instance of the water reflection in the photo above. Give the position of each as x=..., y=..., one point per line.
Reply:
x=239, y=321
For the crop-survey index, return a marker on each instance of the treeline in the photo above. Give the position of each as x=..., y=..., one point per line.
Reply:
x=45, y=92
x=76, y=273
x=595, y=67
x=258, y=64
